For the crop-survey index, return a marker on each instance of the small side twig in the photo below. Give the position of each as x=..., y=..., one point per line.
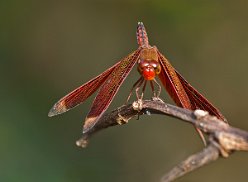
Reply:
x=223, y=139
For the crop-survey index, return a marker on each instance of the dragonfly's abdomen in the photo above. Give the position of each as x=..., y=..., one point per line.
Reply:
x=141, y=34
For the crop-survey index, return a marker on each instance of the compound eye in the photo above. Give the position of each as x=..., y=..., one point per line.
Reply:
x=154, y=64
x=141, y=65
x=156, y=67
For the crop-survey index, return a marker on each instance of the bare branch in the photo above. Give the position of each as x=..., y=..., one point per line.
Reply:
x=209, y=154
x=222, y=138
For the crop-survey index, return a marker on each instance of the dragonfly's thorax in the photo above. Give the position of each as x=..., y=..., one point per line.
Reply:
x=148, y=65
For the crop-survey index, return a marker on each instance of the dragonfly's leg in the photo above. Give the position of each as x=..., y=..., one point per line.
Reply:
x=159, y=87
x=201, y=136
x=131, y=91
x=153, y=90
x=140, y=97
x=138, y=87
x=143, y=90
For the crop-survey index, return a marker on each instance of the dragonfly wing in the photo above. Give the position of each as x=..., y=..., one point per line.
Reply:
x=198, y=100
x=172, y=83
x=80, y=94
x=182, y=92
x=109, y=89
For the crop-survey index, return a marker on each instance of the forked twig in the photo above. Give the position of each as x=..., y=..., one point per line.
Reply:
x=223, y=139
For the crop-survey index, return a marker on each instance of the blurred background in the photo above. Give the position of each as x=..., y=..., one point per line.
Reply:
x=48, y=48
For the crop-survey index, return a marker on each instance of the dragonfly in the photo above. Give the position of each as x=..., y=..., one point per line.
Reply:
x=150, y=64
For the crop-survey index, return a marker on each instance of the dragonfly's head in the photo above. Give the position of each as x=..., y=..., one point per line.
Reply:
x=148, y=65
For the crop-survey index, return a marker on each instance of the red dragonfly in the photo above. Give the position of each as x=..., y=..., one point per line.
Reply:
x=151, y=63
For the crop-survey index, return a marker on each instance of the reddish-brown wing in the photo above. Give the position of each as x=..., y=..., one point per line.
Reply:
x=172, y=83
x=109, y=89
x=81, y=93
x=182, y=92
x=198, y=100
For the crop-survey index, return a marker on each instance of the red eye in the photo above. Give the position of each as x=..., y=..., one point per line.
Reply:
x=143, y=63
x=154, y=64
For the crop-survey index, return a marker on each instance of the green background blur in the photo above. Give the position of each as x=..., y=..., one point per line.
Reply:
x=48, y=48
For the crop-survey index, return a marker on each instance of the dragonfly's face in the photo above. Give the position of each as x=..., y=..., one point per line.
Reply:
x=148, y=65
x=149, y=68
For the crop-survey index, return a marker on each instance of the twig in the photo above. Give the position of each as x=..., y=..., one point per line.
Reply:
x=208, y=154
x=222, y=138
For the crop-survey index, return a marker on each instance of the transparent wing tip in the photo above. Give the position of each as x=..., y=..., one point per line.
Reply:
x=58, y=108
